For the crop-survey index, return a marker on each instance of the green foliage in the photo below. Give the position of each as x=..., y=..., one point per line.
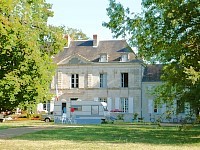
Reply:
x=120, y=116
x=76, y=34
x=26, y=46
x=166, y=32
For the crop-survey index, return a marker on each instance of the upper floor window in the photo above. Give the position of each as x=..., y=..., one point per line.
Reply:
x=103, y=58
x=124, y=57
x=74, y=81
x=124, y=79
x=124, y=104
x=103, y=80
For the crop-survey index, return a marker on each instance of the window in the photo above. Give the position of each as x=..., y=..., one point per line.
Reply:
x=103, y=99
x=124, y=57
x=180, y=107
x=64, y=110
x=73, y=99
x=77, y=107
x=74, y=80
x=103, y=80
x=103, y=58
x=124, y=79
x=46, y=106
x=124, y=104
x=155, y=109
x=95, y=110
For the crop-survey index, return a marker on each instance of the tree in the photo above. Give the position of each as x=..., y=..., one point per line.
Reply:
x=76, y=34
x=166, y=32
x=27, y=44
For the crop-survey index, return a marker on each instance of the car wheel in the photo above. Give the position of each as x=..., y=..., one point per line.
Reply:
x=47, y=120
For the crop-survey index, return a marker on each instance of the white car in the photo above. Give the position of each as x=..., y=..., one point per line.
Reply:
x=47, y=117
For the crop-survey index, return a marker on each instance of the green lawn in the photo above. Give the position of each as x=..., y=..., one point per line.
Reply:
x=108, y=136
x=119, y=134
x=24, y=123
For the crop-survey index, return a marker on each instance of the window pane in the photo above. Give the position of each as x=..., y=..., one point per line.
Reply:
x=74, y=80
x=124, y=104
x=124, y=80
x=95, y=110
x=103, y=80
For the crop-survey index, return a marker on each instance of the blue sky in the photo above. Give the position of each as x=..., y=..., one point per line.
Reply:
x=87, y=15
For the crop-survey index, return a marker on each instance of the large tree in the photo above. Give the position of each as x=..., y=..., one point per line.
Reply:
x=166, y=32
x=27, y=44
x=76, y=34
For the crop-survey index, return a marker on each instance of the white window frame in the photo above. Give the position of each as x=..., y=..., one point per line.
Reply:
x=103, y=99
x=124, y=104
x=103, y=58
x=103, y=80
x=124, y=57
x=74, y=80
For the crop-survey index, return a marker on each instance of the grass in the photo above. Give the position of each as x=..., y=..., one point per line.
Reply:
x=106, y=136
x=22, y=123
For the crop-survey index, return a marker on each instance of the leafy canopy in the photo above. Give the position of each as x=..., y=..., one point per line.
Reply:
x=166, y=32
x=26, y=46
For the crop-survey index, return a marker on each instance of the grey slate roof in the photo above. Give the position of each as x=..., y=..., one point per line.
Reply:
x=85, y=48
x=152, y=73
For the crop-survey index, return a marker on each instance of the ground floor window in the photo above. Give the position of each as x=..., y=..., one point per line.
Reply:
x=102, y=99
x=180, y=106
x=155, y=109
x=46, y=106
x=124, y=104
x=64, y=110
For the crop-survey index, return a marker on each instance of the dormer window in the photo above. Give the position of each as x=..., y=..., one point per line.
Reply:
x=124, y=57
x=103, y=58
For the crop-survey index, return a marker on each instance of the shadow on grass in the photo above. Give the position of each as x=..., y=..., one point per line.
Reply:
x=119, y=134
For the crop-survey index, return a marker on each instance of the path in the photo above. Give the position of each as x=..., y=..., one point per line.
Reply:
x=12, y=132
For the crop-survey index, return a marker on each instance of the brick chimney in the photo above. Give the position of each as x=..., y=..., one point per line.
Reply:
x=95, y=40
x=67, y=37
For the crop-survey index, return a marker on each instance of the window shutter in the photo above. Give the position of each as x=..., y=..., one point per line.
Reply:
x=109, y=103
x=90, y=80
x=117, y=103
x=104, y=80
x=96, y=99
x=59, y=80
x=81, y=81
x=130, y=104
x=163, y=108
x=187, y=108
x=150, y=106
x=65, y=79
x=174, y=106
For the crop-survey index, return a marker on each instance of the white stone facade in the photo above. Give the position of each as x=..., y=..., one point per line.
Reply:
x=106, y=71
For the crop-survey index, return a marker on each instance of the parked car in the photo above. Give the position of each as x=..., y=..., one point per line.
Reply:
x=47, y=117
